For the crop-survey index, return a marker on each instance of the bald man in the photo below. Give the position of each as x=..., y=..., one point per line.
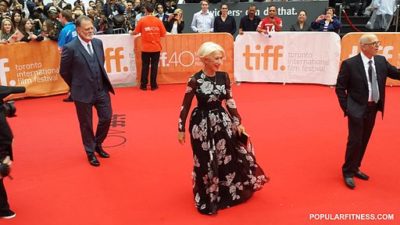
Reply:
x=360, y=89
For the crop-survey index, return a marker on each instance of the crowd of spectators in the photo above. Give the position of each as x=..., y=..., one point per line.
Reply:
x=28, y=20
x=32, y=20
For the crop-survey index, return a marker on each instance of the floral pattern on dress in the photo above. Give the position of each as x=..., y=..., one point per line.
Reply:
x=225, y=172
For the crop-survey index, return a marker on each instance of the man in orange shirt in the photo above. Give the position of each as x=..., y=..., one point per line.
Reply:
x=151, y=29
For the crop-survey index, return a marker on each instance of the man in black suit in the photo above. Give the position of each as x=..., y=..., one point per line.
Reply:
x=82, y=68
x=360, y=89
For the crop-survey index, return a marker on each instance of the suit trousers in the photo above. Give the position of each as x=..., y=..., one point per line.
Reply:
x=360, y=130
x=149, y=58
x=102, y=104
x=4, y=207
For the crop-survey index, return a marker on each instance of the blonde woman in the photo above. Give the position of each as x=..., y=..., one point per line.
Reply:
x=7, y=30
x=225, y=170
x=175, y=22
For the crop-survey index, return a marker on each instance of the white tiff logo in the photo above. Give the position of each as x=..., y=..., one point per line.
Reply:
x=3, y=71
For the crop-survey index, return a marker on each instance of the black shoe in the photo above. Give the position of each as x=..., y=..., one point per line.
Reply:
x=361, y=175
x=9, y=214
x=154, y=88
x=143, y=88
x=92, y=159
x=101, y=152
x=349, y=181
x=68, y=99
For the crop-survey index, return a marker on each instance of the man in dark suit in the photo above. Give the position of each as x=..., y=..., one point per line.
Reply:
x=82, y=68
x=360, y=89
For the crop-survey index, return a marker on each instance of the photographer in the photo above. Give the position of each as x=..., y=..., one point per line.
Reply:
x=6, y=155
x=115, y=14
x=175, y=23
x=327, y=22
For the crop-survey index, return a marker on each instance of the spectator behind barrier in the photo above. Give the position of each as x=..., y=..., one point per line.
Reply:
x=26, y=28
x=175, y=22
x=6, y=32
x=140, y=14
x=271, y=23
x=250, y=21
x=115, y=15
x=301, y=24
x=170, y=6
x=130, y=15
x=4, y=10
x=162, y=15
x=16, y=18
x=203, y=21
x=53, y=15
x=224, y=22
x=48, y=30
x=80, y=3
x=327, y=21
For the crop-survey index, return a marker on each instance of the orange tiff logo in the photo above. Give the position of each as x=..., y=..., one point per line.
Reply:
x=263, y=55
x=114, y=55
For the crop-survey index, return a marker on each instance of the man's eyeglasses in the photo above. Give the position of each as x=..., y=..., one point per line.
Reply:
x=375, y=43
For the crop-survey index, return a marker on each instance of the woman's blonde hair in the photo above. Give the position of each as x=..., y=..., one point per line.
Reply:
x=209, y=48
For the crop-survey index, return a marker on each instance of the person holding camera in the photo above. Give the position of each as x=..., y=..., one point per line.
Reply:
x=6, y=155
x=175, y=23
x=114, y=12
x=327, y=21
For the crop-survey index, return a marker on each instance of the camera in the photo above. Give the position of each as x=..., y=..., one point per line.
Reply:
x=9, y=108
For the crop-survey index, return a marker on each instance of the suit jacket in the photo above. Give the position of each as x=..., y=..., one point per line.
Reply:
x=77, y=73
x=352, y=84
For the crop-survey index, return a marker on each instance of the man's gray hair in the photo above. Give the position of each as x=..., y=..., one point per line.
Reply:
x=81, y=18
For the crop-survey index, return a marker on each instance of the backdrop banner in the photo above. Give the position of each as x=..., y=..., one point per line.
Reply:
x=35, y=65
x=178, y=58
x=287, y=57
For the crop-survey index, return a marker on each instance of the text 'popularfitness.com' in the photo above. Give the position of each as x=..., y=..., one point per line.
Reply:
x=351, y=216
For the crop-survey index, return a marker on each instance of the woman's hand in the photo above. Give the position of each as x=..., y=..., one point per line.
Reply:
x=181, y=137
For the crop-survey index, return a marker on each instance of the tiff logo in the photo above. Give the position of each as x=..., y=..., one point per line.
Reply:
x=116, y=56
x=254, y=58
x=3, y=71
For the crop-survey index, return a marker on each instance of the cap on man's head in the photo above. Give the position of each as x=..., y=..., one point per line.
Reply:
x=52, y=9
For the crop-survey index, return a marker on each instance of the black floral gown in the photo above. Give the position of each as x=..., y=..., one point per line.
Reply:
x=225, y=171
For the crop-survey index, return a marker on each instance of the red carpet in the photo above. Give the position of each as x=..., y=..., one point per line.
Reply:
x=299, y=135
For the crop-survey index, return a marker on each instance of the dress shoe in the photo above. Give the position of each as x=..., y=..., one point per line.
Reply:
x=68, y=99
x=143, y=88
x=7, y=214
x=92, y=159
x=154, y=88
x=349, y=181
x=101, y=152
x=361, y=175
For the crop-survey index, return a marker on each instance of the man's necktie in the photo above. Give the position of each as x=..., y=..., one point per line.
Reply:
x=90, y=49
x=374, y=83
